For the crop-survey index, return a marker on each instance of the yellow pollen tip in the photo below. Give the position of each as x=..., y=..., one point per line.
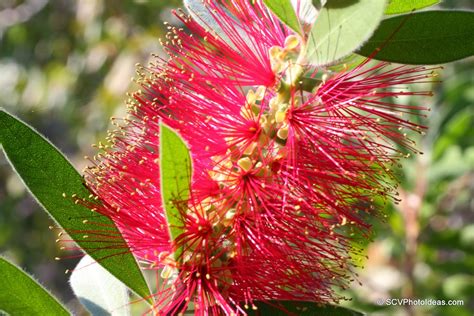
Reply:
x=344, y=221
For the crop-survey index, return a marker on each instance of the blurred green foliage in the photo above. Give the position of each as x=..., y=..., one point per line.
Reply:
x=65, y=67
x=425, y=248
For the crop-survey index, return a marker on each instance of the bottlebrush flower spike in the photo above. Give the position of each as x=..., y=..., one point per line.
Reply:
x=284, y=174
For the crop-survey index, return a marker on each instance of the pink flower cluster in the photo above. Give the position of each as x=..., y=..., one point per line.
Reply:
x=287, y=161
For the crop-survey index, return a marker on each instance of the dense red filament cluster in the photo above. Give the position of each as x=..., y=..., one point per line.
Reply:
x=283, y=178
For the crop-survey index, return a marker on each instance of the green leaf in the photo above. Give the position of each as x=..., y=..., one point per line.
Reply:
x=200, y=13
x=176, y=172
x=341, y=27
x=430, y=37
x=284, y=10
x=403, y=6
x=48, y=175
x=22, y=295
x=98, y=290
x=284, y=308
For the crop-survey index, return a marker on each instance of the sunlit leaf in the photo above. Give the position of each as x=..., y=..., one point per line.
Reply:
x=431, y=37
x=201, y=13
x=341, y=27
x=21, y=295
x=176, y=171
x=98, y=290
x=403, y=6
x=285, y=11
x=52, y=180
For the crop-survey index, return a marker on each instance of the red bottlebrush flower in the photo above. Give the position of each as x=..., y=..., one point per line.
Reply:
x=283, y=175
x=241, y=33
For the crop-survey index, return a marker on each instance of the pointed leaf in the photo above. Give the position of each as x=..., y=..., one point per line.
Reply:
x=403, y=6
x=98, y=290
x=284, y=308
x=176, y=172
x=285, y=11
x=341, y=27
x=20, y=294
x=201, y=14
x=430, y=37
x=48, y=175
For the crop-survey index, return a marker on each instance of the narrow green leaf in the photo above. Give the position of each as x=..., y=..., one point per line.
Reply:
x=341, y=27
x=20, y=294
x=176, y=172
x=48, y=175
x=430, y=37
x=284, y=308
x=285, y=11
x=403, y=6
x=98, y=290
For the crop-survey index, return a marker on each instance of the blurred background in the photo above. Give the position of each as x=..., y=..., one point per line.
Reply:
x=65, y=66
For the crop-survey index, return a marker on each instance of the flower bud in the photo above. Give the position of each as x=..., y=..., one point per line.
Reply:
x=245, y=164
x=283, y=132
x=292, y=42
